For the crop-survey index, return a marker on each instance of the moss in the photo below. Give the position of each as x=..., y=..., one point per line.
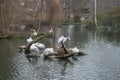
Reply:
x=9, y=36
x=4, y=37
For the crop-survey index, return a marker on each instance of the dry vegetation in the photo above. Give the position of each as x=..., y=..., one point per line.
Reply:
x=21, y=15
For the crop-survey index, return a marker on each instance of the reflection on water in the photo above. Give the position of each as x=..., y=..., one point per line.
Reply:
x=101, y=63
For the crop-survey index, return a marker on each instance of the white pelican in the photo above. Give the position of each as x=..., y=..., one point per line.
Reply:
x=34, y=32
x=29, y=40
x=51, y=30
x=60, y=39
x=63, y=39
x=48, y=51
x=34, y=48
x=40, y=45
x=75, y=50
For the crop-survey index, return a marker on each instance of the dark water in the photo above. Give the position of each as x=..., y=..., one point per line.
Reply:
x=101, y=63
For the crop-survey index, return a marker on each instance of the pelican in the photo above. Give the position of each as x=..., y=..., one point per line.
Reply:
x=51, y=30
x=40, y=45
x=34, y=32
x=34, y=48
x=63, y=39
x=48, y=51
x=75, y=50
x=29, y=40
x=60, y=39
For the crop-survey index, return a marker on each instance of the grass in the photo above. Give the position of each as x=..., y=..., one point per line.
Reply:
x=72, y=23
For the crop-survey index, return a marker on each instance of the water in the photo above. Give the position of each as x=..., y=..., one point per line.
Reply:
x=100, y=63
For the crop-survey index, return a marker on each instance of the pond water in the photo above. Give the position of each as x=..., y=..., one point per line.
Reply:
x=102, y=61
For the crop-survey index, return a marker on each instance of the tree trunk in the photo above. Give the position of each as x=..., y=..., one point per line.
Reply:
x=39, y=14
x=95, y=13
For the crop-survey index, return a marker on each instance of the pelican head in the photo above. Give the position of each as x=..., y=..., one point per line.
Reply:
x=68, y=38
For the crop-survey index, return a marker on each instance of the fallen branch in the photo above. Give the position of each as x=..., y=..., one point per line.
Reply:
x=27, y=50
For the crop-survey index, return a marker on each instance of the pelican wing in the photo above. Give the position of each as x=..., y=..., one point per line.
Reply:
x=60, y=39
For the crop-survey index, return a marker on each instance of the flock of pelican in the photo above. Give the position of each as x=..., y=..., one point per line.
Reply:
x=41, y=48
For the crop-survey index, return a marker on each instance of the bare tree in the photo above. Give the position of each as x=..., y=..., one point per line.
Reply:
x=67, y=10
x=40, y=4
x=29, y=12
x=95, y=12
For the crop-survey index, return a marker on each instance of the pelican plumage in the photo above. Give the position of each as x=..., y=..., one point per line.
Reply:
x=75, y=50
x=40, y=45
x=63, y=39
x=51, y=30
x=60, y=39
x=29, y=40
x=34, y=33
x=34, y=48
x=48, y=51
